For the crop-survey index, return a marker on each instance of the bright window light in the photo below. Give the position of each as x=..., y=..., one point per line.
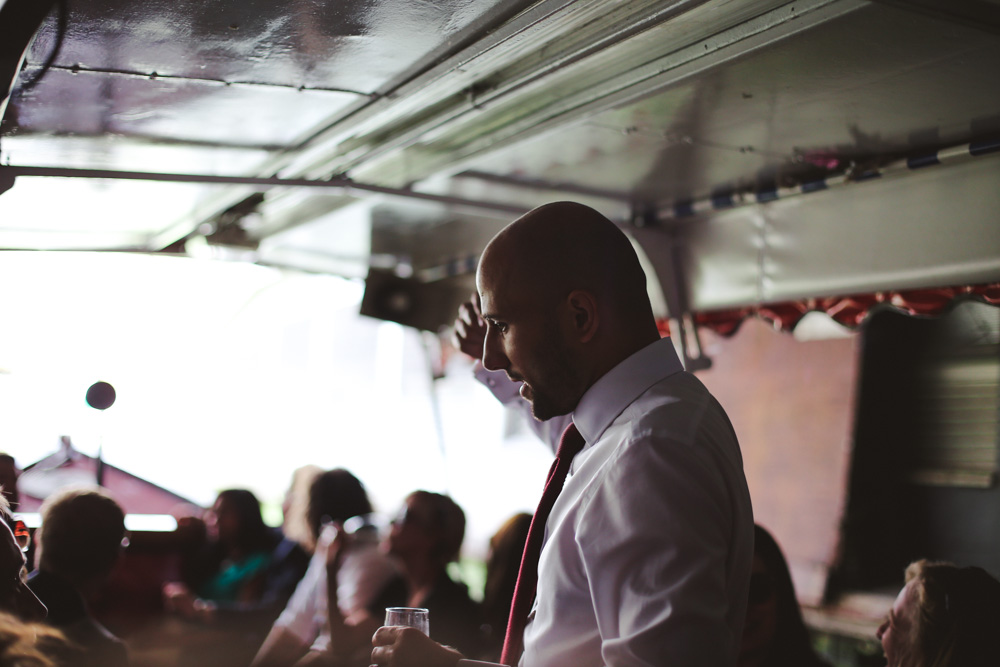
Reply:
x=234, y=375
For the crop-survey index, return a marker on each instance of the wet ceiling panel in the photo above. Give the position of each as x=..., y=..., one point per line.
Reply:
x=626, y=106
x=174, y=109
x=552, y=78
x=221, y=88
x=805, y=105
x=350, y=45
x=259, y=73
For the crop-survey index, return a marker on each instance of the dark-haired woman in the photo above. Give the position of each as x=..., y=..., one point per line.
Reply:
x=774, y=634
x=230, y=565
x=301, y=635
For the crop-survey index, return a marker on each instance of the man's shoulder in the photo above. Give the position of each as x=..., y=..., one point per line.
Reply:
x=675, y=402
x=677, y=418
x=682, y=386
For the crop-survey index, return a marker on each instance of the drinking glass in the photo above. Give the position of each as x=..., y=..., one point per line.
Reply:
x=375, y=524
x=411, y=617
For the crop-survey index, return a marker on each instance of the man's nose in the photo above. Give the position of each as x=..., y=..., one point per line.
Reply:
x=881, y=630
x=493, y=357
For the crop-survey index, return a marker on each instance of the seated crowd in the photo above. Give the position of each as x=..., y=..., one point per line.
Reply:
x=261, y=595
x=318, y=599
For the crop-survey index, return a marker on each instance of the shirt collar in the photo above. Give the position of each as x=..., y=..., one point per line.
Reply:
x=618, y=388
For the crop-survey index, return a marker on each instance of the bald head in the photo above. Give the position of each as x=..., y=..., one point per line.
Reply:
x=564, y=298
x=563, y=246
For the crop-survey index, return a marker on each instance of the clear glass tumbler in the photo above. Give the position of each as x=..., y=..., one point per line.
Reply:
x=411, y=617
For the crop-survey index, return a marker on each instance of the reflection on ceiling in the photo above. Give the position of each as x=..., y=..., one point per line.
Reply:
x=397, y=136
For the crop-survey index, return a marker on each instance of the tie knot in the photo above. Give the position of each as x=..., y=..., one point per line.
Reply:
x=571, y=442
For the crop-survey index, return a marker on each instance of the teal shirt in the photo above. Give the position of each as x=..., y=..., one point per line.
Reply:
x=228, y=583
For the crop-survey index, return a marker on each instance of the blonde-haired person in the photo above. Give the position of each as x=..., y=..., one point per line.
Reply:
x=295, y=507
x=29, y=644
x=945, y=616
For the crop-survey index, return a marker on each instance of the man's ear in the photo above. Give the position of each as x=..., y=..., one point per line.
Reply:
x=583, y=313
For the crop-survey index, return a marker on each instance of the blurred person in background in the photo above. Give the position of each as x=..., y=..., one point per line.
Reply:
x=229, y=566
x=29, y=644
x=15, y=596
x=301, y=635
x=249, y=616
x=774, y=634
x=8, y=481
x=295, y=507
x=945, y=616
x=425, y=538
x=77, y=546
x=502, y=564
x=24, y=642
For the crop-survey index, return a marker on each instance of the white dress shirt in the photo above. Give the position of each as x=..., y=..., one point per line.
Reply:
x=363, y=573
x=648, y=549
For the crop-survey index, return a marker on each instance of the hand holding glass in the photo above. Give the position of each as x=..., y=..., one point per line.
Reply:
x=411, y=617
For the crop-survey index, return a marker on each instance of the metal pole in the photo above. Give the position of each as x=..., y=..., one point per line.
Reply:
x=345, y=185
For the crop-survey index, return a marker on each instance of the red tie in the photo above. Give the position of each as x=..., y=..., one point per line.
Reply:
x=527, y=577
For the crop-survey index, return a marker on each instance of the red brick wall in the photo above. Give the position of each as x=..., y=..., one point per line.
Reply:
x=792, y=405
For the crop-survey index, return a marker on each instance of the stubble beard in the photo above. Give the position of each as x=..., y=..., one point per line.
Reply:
x=558, y=393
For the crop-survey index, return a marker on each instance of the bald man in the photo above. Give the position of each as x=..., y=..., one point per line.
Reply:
x=648, y=549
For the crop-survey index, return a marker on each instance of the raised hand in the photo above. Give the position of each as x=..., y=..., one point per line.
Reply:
x=331, y=545
x=470, y=329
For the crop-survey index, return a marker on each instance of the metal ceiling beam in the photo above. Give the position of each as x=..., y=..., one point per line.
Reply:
x=534, y=108
x=344, y=185
x=852, y=175
x=498, y=91
x=550, y=37
x=543, y=39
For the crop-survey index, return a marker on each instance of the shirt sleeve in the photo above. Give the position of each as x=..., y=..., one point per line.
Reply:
x=508, y=392
x=505, y=390
x=363, y=575
x=300, y=614
x=654, y=538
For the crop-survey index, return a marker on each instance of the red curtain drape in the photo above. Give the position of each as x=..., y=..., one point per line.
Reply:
x=848, y=310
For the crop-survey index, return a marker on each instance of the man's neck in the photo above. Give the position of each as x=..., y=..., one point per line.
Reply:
x=618, y=351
